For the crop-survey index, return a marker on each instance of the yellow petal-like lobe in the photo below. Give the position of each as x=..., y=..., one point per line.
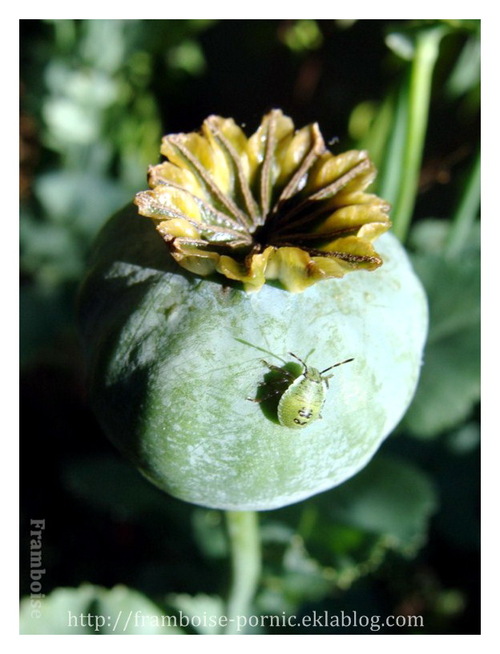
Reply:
x=253, y=275
x=177, y=227
x=273, y=206
x=338, y=169
x=275, y=128
x=351, y=217
x=168, y=173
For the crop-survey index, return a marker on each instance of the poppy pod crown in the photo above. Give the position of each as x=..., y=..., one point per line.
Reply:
x=275, y=206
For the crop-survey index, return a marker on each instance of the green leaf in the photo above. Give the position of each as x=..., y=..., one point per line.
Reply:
x=429, y=236
x=339, y=536
x=78, y=200
x=303, y=35
x=466, y=74
x=292, y=576
x=209, y=533
x=450, y=380
x=401, y=44
x=94, y=610
x=389, y=498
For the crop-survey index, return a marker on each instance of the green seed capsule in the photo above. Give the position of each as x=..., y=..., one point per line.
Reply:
x=153, y=336
x=303, y=399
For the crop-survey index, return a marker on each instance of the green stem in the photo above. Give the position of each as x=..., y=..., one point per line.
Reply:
x=419, y=93
x=466, y=212
x=243, y=528
x=390, y=170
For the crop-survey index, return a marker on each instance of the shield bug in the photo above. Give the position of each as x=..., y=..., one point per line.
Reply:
x=304, y=396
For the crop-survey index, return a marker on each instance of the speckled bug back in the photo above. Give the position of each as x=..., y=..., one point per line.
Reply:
x=302, y=401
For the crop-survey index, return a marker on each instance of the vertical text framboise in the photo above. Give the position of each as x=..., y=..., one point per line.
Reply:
x=36, y=569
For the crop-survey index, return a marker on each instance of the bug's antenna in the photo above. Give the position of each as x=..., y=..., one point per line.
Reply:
x=334, y=365
x=299, y=359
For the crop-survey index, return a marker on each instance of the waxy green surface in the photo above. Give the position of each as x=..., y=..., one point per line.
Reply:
x=173, y=359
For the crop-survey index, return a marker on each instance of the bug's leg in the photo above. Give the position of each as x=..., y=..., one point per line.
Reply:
x=266, y=397
x=276, y=386
x=285, y=375
x=281, y=371
x=284, y=378
x=271, y=366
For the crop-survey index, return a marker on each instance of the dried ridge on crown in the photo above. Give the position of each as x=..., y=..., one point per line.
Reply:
x=275, y=206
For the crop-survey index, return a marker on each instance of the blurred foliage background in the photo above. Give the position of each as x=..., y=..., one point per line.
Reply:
x=402, y=537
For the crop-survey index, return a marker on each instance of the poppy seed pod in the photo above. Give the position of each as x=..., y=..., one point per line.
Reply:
x=175, y=352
